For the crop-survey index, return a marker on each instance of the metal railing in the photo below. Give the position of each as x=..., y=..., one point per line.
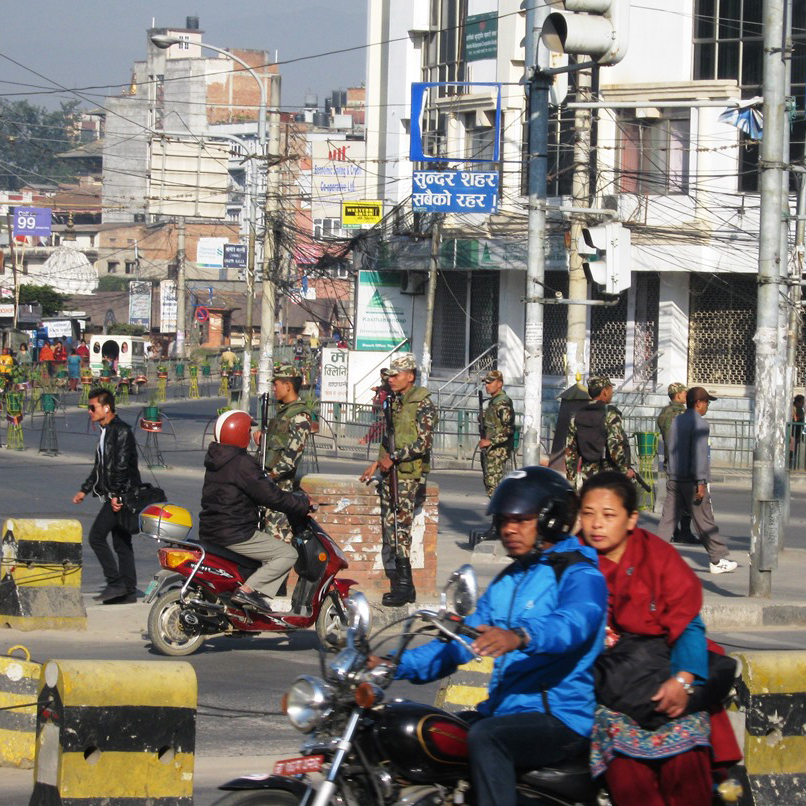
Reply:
x=460, y=393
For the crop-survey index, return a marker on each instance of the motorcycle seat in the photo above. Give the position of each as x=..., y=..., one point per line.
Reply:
x=233, y=556
x=570, y=779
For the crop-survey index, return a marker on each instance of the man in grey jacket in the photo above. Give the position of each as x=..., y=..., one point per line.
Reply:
x=688, y=474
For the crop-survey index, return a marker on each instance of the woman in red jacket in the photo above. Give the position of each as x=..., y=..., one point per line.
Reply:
x=652, y=593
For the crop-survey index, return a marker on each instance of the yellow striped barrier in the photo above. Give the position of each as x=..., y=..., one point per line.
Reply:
x=40, y=575
x=115, y=732
x=466, y=687
x=19, y=684
x=772, y=694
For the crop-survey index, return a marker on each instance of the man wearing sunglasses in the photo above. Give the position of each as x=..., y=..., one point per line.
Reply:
x=113, y=474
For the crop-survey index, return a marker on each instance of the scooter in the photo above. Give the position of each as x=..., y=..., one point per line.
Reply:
x=192, y=594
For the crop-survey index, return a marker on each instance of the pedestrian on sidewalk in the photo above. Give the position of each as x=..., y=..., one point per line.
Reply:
x=688, y=477
x=73, y=370
x=114, y=473
x=677, y=405
x=498, y=442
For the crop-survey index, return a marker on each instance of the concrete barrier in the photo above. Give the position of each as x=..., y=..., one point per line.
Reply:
x=771, y=695
x=351, y=515
x=115, y=732
x=19, y=685
x=40, y=575
x=466, y=687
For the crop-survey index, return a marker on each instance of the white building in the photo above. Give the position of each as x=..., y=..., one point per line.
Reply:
x=681, y=180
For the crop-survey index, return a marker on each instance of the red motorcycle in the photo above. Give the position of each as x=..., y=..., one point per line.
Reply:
x=192, y=594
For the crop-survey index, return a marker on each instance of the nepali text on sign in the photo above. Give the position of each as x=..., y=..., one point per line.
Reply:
x=454, y=192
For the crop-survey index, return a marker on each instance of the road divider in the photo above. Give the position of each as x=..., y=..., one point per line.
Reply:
x=40, y=575
x=115, y=732
x=466, y=687
x=19, y=685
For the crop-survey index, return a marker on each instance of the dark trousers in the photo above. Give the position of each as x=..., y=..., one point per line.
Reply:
x=117, y=572
x=501, y=745
x=680, y=501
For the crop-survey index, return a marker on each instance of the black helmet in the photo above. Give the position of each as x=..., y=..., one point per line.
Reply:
x=537, y=491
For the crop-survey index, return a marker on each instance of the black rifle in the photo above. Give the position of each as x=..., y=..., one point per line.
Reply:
x=641, y=480
x=263, y=448
x=482, y=433
x=390, y=449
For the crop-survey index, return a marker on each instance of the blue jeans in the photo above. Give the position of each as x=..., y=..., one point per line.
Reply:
x=502, y=745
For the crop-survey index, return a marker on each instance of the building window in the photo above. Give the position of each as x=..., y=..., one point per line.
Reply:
x=555, y=325
x=654, y=154
x=608, y=336
x=728, y=44
x=130, y=267
x=645, y=332
x=112, y=266
x=325, y=228
x=184, y=44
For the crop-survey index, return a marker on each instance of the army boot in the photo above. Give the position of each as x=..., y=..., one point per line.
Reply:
x=403, y=591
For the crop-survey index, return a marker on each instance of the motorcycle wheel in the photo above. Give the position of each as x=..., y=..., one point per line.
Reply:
x=274, y=797
x=330, y=628
x=165, y=629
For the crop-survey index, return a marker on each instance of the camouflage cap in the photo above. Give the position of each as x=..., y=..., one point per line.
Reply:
x=283, y=372
x=596, y=383
x=493, y=375
x=676, y=388
x=403, y=361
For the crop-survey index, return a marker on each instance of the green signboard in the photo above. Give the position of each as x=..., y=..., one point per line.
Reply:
x=481, y=36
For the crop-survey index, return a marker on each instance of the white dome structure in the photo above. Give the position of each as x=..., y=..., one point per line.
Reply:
x=69, y=271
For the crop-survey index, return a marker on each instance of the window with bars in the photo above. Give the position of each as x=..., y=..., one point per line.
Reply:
x=608, y=336
x=722, y=323
x=728, y=44
x=645, y=337
x=555, y=325
x=654, y=153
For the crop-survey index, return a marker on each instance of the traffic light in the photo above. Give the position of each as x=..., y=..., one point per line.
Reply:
x=595, y=28
x=607, y=261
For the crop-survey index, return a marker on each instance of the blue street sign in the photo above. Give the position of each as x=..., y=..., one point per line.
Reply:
x=454, y=192
x=234, y=255
x=32, y=221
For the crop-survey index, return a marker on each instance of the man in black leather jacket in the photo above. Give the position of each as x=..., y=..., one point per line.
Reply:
x=113, y=474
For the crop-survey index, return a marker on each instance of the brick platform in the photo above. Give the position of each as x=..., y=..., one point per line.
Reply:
x=352, y=517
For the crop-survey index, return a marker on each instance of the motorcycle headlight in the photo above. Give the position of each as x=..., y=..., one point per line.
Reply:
x=307, y=702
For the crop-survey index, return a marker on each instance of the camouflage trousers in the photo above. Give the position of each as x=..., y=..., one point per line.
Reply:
x=410, y=499
x=497, y=464
x=276, y=523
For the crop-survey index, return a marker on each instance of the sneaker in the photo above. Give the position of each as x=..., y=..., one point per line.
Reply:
x=253, y=599
x=724, y=566
x=127, y=598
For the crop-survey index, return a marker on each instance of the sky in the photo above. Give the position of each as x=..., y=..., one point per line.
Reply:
x=93, y=43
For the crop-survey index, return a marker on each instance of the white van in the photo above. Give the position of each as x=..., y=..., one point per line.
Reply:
x=122, y=352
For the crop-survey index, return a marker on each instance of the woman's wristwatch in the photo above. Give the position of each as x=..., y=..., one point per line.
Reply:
x=687, y=687
x=522, y=634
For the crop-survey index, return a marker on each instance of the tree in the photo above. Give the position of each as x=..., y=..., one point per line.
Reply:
x=31, y=137
x=48, y=297
x=111, y=282
x=125, y=329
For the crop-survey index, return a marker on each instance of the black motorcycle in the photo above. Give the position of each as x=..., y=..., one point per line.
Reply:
x=361, y=750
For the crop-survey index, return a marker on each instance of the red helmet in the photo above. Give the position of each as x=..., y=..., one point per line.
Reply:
x=234, y=428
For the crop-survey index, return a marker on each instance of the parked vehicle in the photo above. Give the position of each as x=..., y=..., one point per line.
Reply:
x=192, y=594
x=120, y=352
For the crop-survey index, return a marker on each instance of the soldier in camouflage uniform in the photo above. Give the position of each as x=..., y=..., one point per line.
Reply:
x=596, y=440
x=498, y=442
x=677, y=405
x=287, y=435
x=413, y=419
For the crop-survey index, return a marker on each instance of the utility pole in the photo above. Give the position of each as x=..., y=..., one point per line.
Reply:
x=180, y=287
x=266, y=366
x=246, y=380
x=538, y=111
x=431, y=293
x=577, y=322
x=766, y=524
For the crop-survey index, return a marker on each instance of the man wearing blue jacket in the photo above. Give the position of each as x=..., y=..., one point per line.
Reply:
x=542, y=619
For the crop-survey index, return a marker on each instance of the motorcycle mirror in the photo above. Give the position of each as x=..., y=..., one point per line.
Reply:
x=359, y=615
x=465, y=590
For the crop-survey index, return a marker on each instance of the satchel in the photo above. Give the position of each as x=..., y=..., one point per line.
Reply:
x=628, y=675
x=135, y=501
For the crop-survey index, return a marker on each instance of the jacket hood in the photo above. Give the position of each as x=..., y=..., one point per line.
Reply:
x=219, y=455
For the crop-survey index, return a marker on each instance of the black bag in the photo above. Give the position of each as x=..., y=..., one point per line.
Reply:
x=629, y=674
x=135, y=501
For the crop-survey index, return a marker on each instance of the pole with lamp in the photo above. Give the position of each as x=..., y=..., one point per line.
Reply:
x=164, y=42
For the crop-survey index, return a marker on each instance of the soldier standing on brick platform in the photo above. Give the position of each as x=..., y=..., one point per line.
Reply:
x=596, y=440
x=677, y=405
x=287, y=435
x=413, y=417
